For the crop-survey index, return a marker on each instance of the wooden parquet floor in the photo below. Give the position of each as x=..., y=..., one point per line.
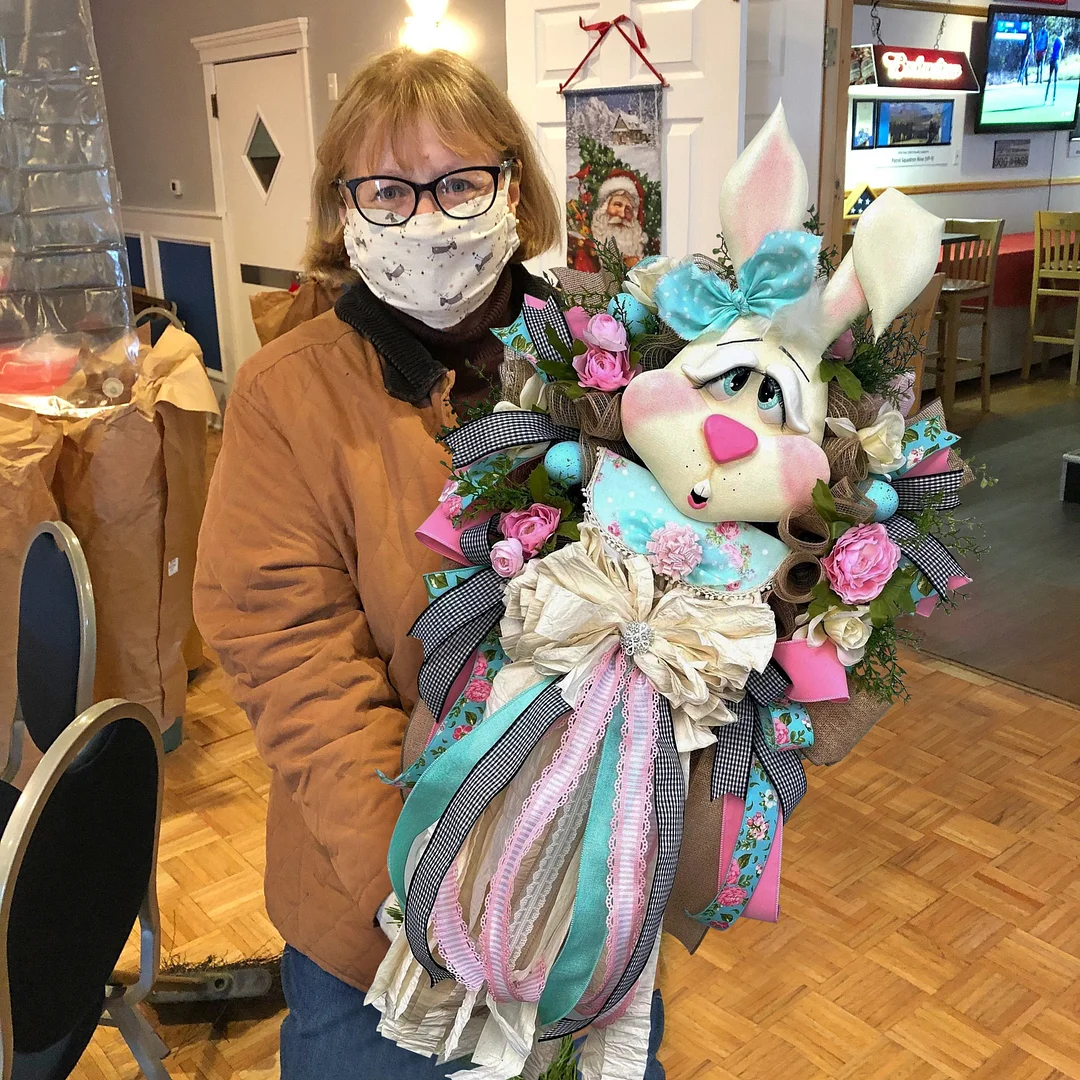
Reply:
x=931, y=904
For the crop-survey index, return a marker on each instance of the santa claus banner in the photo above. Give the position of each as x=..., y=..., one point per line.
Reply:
x=613, y=158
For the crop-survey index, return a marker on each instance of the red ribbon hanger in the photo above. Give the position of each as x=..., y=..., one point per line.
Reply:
x=602, y=29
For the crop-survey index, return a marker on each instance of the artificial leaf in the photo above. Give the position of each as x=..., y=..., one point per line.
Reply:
x=824, y=502
x=558, y=344
x=539, y=484
x=570, y=389
x=580, y=348
x=570, y=530
x=838, y=528
x=558, y=370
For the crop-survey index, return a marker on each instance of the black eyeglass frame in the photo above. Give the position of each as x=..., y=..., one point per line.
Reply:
x=496, y=173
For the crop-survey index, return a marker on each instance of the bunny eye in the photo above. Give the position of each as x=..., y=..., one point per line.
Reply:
x=729, y=384
x=770, y=401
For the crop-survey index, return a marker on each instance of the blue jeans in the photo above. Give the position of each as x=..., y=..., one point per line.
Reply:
x=330, y=1034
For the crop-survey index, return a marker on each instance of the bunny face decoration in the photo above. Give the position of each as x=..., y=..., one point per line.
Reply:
x=732, y=427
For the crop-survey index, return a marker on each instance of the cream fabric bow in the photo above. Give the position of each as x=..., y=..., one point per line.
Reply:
x=564, y=612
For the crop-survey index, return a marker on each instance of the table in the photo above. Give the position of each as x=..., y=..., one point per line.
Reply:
x=1016, y=265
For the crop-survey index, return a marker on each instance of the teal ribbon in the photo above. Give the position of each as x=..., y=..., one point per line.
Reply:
x=573, y=969
x=693, y=301
x=441, y=779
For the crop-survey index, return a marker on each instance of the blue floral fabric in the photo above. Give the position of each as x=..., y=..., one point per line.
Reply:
x=627, y=502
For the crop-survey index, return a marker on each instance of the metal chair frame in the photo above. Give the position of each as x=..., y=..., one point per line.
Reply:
x=120, y=1002
x=68, y=543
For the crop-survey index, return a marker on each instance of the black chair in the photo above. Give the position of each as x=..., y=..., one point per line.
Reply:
x=77, y=863
x=57, y=645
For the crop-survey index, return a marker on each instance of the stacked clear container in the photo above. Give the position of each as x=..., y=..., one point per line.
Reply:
x=65, y=306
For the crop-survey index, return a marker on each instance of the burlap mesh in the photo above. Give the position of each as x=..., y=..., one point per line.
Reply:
x=562, y=410
x=600, y=416
x=514, y=372
x=577, y=282
x=796, y=577
x=847, y=459
x=839, y=725
x=658, y=350
x=785, y=613
x=861, y=413
x=805, y=530
x=852, y=503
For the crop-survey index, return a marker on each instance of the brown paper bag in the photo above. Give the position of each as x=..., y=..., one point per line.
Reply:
x=131, y=483
x=278, y=311
x=29, y=448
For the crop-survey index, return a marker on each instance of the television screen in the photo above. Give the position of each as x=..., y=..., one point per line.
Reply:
x=1032, y=70
x=914, y=123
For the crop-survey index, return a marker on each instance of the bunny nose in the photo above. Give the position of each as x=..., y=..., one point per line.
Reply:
x=727, y=439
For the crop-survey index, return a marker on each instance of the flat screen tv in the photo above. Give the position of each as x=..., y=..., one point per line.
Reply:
x=1032, y=70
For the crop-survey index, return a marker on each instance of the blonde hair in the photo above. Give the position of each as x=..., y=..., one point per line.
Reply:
x=383, y=103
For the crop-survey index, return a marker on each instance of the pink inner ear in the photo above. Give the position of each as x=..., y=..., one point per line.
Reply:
x=843, y=300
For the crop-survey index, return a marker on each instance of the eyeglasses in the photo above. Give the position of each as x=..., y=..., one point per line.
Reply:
x=461, y=194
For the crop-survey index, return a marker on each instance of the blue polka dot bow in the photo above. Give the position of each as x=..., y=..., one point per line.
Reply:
x=694, y=301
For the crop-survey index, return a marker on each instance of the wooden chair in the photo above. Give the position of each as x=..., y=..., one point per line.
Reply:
x=966, y=297
x=1057, y=263
x=916, y=321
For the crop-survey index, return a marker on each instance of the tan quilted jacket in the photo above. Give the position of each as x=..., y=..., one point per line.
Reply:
x=322, y=480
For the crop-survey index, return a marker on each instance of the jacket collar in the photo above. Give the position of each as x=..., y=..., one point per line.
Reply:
x=410, y=372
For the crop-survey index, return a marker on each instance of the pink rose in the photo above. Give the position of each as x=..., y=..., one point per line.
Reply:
x=861, y=563
x=843, y=348
x=729, y=530
x=599, y=369
x=530, y=527
x=453, y=505
x=462, y=730
x=734, y=870
x=780, y=732
x=674, y=550
x=605, y=332
x=507, y=558
x=479, y=668
x=731, y=896
x=757, y=827
x=477, y=690
x=577, y=319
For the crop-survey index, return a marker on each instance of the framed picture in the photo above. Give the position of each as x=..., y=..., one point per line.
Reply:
x=914, y=123
x=863, y=126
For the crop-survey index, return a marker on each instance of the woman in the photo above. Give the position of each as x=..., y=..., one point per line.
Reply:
x=427, y=196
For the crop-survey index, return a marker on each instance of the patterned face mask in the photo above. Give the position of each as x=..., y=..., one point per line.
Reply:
x=435, y=268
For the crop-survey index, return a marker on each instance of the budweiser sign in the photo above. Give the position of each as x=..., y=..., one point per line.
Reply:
x=899, y=67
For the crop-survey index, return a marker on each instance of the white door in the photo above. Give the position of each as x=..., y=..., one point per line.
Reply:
x=267, y=159
x=784, y=53
x=697, y=44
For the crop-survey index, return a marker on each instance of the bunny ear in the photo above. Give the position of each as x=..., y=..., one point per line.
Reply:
x=766, y=190
x=843, y=300
x=896, y=250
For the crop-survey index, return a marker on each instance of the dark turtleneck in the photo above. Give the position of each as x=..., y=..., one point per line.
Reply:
x=416, y=356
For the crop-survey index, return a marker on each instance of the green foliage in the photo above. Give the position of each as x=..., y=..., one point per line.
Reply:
x=394, y=914
x=824, y=599
x=564, y=1067
x=492, y=491
x=828, y=257
x=825, y=505
x=962, y=536
x=895, y=599
x=879, y=673
x=847, y=379
x=877, y=363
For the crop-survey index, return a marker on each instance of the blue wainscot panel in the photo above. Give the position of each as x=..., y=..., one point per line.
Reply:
x=187, y=279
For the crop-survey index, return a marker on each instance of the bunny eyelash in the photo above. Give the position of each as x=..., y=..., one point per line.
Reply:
x=715, y=367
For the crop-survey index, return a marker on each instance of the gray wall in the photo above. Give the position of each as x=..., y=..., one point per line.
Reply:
x=154, y=87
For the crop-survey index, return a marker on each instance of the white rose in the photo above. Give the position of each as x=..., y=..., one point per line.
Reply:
x=641, y=282
x=847, y=628
x=882, y=441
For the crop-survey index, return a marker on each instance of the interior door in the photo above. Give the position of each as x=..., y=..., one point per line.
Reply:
x=267, y=161
x=697, y=44
x=784, y=52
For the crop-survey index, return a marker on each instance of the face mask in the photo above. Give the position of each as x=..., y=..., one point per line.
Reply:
x=435, y=268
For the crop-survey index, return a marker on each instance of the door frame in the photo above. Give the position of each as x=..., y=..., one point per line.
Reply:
x=246, y=43
x=834, y=120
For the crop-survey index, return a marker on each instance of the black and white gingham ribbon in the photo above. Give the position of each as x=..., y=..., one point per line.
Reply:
x=489, y=776
x=501, y=431
x=537, y=321
x=476, y=542
x=929, y=555
x=451, y=629
x=670, y=798
x=916, y=492
x=739, y=743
